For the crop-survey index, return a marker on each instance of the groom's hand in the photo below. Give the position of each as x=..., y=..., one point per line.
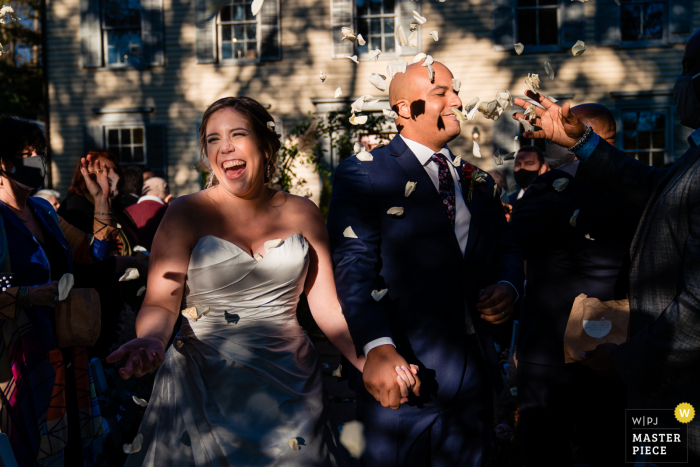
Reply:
x=379, y=375
x=496, y=303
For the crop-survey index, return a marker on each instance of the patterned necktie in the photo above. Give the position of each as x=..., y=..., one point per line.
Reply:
x=447, y=186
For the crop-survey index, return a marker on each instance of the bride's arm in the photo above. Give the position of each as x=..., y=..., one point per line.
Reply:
x=168, y=263
x=320, y=286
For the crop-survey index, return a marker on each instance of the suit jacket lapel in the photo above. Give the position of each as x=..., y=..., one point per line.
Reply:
x=474, y=207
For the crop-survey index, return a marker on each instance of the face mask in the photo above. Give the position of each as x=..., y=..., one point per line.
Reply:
x=28, y=172
x=554, y=152
x=524, y=177
x=687, y=103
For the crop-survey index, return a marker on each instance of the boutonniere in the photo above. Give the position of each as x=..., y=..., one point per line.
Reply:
x=476, y=178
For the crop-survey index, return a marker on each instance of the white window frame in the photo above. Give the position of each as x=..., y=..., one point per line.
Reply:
x=105, y=33
x=540, y=48
x=396, y=16
x=220, y=42
x=131, y=145
x=667, y=110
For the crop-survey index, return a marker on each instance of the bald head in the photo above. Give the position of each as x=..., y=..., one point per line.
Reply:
x=406, y=85
x=599, y=118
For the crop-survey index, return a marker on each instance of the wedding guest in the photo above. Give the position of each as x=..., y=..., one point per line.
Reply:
x=131, y=187
x=148, y=212
x=660, y=363
x=564, y=261
x=148, y=173
x=40, y=410
x=529, y=164
x=52, y=196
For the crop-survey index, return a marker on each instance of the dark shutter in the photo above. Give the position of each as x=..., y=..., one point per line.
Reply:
x=406, y=8
x=503, y=18
x=342, y=16
x=156, y=156
x=93, y=139
x=271, y=48
x=204, y=32
x=574, y=23
x=90, y=34
x=152, y=32
x=680, y=20
x=607, y=22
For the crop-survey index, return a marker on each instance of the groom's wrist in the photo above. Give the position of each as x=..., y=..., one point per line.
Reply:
x=376, y=343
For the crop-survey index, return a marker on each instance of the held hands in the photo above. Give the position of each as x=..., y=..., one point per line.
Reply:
x=496, y=303
x=44, y=295
x=558, y=123
x=142, y=355
x=96, y=181
x=379, y=376
x=599, y=360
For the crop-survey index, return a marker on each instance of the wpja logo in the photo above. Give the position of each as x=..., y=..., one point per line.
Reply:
x=658, y=435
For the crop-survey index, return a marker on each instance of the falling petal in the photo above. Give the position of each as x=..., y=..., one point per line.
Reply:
x=379, y=294
x=457, y=85
x=531, y=112
x=588, y=237
x=572, y=221
x=294, y=444
x=140, y=402
x=490, y=110
x=193, y=313
x=65, y=285
x=477, y=150
x=472, y=103
x=139, y=248
x=270, y=244
x=396, y=66
x=428, y=60
x=141, y=291
x=390, y=113
x=353, y=438
x=256, y=6
x=136, y=445
x=431, y=73
x=129, y=275
x=400, y=36
x=374, y=54
x=349, y=233
x=348, y=34
x=364, y=156
x=357, y=147
x=495, y=190
x=472, y=113
x=497, y=158
x=560, y=183
x=396, y=211
x=515, y=138
x=578, y=48
x=457, y=161
x=179, y=343
x=526, y=125
x=257, y=257
x=358, y=120
x=509, y=156
x=338, y=92
x=361, y=40
x=271, y=126
x=460, y=115
x=434, y=35
x=420, y=19
x=377, y=81
x=550, y=71
x=322, y=76
x=504, y=99
x=419, y=57
x=357, y=105
x=338, y=371
x=413, y=39
x=533, y=82
x=353, y=58
x=551, y=98
x=518, y=48
x=410, y=188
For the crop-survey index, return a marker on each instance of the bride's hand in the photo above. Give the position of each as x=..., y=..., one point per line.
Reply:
x=142, y=355
x=406, y=380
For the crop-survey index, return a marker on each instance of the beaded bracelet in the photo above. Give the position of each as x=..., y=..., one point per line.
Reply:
x=109, y=213
x=584, y=139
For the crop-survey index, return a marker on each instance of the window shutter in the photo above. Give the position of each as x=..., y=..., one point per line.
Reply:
x=156, y=158
x=405, y=17
x=503, y=19
x=152, y=32
x=204, y=32
x=607, y=26
x=342, y=16
x=574, y=23
x=90, y=34
x=92, y=138
x=680, y=20
x=271, y=48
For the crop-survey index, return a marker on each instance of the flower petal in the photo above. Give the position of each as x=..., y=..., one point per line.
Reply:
x=361, y=40
x=477, y=150
x=338, y=372
x=65, y=285
x=390, y=113
x=457, y=85
x=352, y=437
x=338, y=92
x=322, y=76
x=413, y=39
x=588, y=237
x=431, y=73
x=560, y=183
x=527, y=126
x=509, y=156
x=572, y=221
x=460, y=115
x=353, y=58
x=358, y=119
x=374, y=54
x=357, y=147
x=550, y=71
x=518, y=48
x=497, y=158
x=379, y=294
x=138, y=401
x=349, y=233
x=420, y=19
x=531, y=112
x=129, y=275
x=256, y=6
x=410, y=188
x=579, y=48
x=377, y=81
x=364, y=156
x=400, y=36
x=434, y=35
x=141, y=291
x=551, y=98
x=396, y=211
x=356, y=106
x=419, y=57
x=348, y=34
x=457, y=161
x=135, y=446
x=533, y=82
x=294, y=444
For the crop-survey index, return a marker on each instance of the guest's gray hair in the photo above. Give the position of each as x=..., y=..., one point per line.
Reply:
x=47, y=194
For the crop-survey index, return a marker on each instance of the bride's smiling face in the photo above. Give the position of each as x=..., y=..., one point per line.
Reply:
x=234, y=154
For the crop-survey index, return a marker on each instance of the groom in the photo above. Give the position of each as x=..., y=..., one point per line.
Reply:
x=452, y=273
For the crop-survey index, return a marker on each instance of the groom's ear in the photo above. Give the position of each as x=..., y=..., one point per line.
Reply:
x=403, y=108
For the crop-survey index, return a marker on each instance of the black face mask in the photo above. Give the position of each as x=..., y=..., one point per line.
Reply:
x=28, y=172
x=554, y=152
x=524, y=177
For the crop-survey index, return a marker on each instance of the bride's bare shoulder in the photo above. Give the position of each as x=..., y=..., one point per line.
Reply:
x=295, y=205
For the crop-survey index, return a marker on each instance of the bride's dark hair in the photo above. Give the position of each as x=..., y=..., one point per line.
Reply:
x=258, y=118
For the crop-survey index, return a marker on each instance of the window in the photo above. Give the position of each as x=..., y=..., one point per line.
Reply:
x=128, y=144
x=375, y=21
x=238, y=31
x=643, y=22
x=537, y=22
x=121, y=26
x=645, y=135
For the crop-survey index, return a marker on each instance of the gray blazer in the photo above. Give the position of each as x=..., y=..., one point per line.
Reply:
x=661, y=362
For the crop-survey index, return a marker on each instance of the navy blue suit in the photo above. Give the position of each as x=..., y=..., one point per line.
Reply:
x=431, y=286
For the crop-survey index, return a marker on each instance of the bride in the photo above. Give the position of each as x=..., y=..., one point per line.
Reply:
x=242, y=379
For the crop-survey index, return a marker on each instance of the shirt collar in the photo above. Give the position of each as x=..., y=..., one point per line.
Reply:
x=150, y=198
x=694, y=138
x=423, y=153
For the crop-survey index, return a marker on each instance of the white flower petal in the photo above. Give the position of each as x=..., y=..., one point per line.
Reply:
x=490, y=110
x=271, y=126
x=560, y=183
x=374, y=54
x=572, y=221
x=518, y=48
x=460, y=115
x=141, y=291
x=349, y=233
x=579, y=48
x=434, y=35
x=139, y=248
x=129, y=275
x=410, y=188
x=353, y=438
x=348, y=34
x=379, y=294
x=377, y=81
x=428, y=60
x=257, y=257
x=396, y=211
x=431, y=73
x=322, y=76
x=531, y=112
x=338, y=92
x=527, y=126
x=396, y=66
x=400, y=36
x=357, y=147
x=504, y=99
x=533, y=82
x=495, y=190
x=256, y=6
x=413, y=39
x=140, y=402
x=549, y=70
x=338, y=372
x=476, y=150
x=135, y=446
x=419, y=57
x=356, y=106
x=390, y=114
x=353, y=58
x=364, y=156
x=509, y=156
x=361, y=40
x=420, y=19
x=457, y=85
x=588, y=237
x=358, y=120
x=457, y=161
x=294, y=444
x=497, y=158
x=65, y=285
x=270, y=244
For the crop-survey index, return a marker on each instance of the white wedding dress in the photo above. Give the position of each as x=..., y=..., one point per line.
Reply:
x=239, y=383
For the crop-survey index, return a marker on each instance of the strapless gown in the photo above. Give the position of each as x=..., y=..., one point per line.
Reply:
x=239, y=383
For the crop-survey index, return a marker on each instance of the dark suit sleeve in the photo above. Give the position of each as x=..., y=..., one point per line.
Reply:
x=671, y=344
x=356, y=260
x=611, y=170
